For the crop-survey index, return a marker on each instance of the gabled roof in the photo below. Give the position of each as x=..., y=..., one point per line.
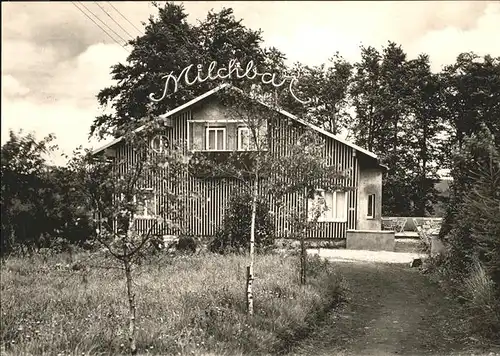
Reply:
x=283, y=112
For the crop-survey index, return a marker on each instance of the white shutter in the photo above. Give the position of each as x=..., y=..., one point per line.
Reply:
x=340, y=206
x=329, y=209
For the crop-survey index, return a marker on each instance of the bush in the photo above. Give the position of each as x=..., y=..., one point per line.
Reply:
x=186, y=244
x=476, y=231
x=316, y=266
x=234, y=236
x=472, y=230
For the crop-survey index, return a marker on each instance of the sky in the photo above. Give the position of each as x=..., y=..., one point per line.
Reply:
x=55, y=59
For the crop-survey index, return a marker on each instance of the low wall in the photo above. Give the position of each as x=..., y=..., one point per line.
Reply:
x=410, y=224
x=310, y=243
x=371, y=240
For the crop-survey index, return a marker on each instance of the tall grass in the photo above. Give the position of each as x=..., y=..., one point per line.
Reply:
x=186, y=305
x=476, y=291
x=479, y=291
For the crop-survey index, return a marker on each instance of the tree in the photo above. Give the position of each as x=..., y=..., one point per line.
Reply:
x=26, y=192
x=424, y=138
x=366, y=97
x=472, y=229
x=117, y=192
x=471, y=99
x=234, y=234
x=478, y=152
x=481, y=211
x=223, y=38
x=265, y=172
x=470, y=88
x=66, y=210
x=399, y=108
x=380, y=94
x=304, y=169
x=327, y=87
x=169, y=46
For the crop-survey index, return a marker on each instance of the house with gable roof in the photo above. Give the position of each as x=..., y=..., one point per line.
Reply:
x=204, y=125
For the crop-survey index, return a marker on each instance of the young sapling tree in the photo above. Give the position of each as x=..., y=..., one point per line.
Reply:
x=120, y=191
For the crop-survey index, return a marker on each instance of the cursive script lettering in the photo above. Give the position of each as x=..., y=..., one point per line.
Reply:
x=233, y=68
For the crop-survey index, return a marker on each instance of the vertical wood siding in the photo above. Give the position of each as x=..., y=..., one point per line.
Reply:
x=205, y=214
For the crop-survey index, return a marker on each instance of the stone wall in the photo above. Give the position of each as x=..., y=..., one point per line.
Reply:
x=370, y=240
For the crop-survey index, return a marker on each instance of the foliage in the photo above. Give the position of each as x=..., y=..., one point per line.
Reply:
x=84, y=312
x=472, y=224
x=483, y=302
x=39, y=204
x=118, y=191
x=424, y=135
x=186, y=244
x=471, y=95
x=327, y=86
x=234, y=235
x=169, y=45
x=472, y=231
x=397, y=105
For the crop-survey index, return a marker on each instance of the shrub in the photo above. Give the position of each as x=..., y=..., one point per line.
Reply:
x=476, y=232
x=186, y=244
x=316, y=266
x=234, y=235
x=472, y=230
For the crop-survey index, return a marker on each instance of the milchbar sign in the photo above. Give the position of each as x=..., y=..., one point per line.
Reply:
x=229, y=72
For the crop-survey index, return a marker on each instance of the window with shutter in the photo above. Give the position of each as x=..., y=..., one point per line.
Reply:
x=245, y=139
x=146, y=205
x=331, y=206
x=216, y=138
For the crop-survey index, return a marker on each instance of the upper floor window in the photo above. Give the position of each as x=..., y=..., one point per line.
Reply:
x=371, y=207
x=245, y=140
x=215, y=138
x=331, y=206
x=159, y=143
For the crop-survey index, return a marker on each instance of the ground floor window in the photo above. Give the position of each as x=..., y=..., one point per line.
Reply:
x=328, y=206
x=146, y=204
x=371, y=206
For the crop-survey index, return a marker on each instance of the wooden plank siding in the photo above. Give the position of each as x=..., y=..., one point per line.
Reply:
x=203, y=216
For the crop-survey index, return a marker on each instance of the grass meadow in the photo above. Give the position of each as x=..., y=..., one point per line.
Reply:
x=185, y=305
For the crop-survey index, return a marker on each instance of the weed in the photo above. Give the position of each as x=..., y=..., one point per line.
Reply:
x=187, y=304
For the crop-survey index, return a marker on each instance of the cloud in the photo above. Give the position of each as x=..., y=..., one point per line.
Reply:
x=81, y=78
x=312, y=32
x=11, y=87
x=70, y=105
x=55, y=60
x=444, y=45
x=57, y=25
x=69, y=124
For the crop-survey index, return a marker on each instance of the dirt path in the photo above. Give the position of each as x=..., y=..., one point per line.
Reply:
x=392, y=310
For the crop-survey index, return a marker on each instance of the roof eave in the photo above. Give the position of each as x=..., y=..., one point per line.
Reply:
x=164, y=116
x=283, y=112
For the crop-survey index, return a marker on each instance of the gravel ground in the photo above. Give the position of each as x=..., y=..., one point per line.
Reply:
x=391, y=310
